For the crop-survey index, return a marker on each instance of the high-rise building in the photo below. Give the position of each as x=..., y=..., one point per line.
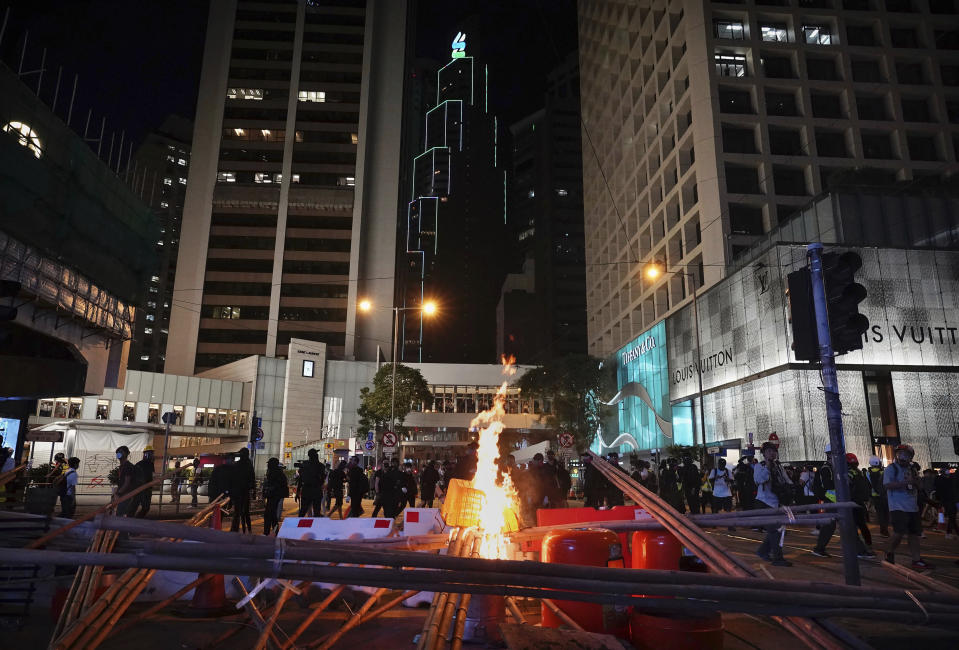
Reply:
x=455, y=253
x=161, y=168
x=546, y=224
x=293, y=183
x=708, y=123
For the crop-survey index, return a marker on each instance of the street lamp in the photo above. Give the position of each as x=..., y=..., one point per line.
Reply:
x=653, y=271
x=428, y=308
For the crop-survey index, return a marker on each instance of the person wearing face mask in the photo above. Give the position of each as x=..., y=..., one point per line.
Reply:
x=720, y=479
x=902, y=486
x=126, y=481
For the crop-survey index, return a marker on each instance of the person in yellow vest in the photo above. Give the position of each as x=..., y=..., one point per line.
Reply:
x=824, y=487
x=878, y=498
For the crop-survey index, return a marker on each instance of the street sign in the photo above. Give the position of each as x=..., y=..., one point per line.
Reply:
x=389, y=439
x=258, y=436
x=328, y=446
x=369, y=436
x=258, y=422
x=45, y=436
x=712, y=450
x=566, y=440
x=288, y=445
x=773, y=438
x=169, y=417
x=287, y=456
x=370, y=445
x=260, y=445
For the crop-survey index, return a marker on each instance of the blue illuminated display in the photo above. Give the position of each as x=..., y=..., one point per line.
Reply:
x=642, y=400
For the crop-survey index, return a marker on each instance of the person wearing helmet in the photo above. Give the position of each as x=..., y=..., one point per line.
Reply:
x=878, y=496
x=824, y=486
x=144, y=469
x=859, y=492
x=902, y=488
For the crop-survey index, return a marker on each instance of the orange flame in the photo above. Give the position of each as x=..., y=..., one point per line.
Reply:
x=500, y=502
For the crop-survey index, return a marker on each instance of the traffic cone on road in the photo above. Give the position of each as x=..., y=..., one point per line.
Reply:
x=209, y=598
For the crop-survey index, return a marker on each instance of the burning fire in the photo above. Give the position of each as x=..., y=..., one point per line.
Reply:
x=500, y=502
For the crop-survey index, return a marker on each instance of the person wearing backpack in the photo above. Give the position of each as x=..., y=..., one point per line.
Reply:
x=745, y=485
x=824, y=487
x=275, y=489
x=773, y=491
x=357, y=487
x=720, y=480
x=126, y=481
x=144, y=474
x=878, y=498
x=68, y=488
x=902, y=487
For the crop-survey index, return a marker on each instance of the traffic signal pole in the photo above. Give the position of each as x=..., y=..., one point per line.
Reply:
x=847, y=527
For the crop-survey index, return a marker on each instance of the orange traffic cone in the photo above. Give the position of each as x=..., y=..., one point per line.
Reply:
x=209, y=598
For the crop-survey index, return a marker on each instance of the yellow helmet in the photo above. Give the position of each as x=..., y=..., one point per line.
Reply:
x=148, y=448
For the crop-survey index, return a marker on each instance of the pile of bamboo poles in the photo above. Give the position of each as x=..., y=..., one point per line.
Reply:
x=91, y=620
x=436, y=627
x=82, y=591
x=401, y=570
x=712, y=554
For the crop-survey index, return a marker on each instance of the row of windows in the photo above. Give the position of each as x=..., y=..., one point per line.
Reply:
x=826, y=105
x=324, y=222
x=784, y=66
x=279, y=135
x=260, y=178
x=829, y=143
x=893, y=6
x=822, y=34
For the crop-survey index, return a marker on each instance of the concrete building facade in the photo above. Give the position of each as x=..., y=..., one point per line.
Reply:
x=706, y=124
x=295, y=120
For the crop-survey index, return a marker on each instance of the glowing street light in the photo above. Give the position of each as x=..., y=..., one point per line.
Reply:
x=365, y=305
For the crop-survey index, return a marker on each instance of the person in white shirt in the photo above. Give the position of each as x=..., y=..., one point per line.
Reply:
x=68, y=499
x=770, y=478
x=720, y=479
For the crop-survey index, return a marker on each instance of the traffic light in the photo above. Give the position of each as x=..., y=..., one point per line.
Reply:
x=843, y=295
x=8, y=289
x=802, y=317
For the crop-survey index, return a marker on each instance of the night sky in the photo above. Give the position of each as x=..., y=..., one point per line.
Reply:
x=140, y=61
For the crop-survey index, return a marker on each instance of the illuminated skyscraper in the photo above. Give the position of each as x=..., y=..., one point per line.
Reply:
x=455, y=246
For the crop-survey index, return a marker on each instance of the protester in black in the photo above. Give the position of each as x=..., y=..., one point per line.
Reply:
x=126, y=481
x=690, y=478
x=428, y=480
x=310, y=485
x=334, y=489
x=144, y=469
x=880, y=503
x=275, y=489
x=392, y=486
x=592, y=483
x=670, y=485
x=241, y=483
x=358, y=486
x=219, y=480
x=378, y=490
x=824, y=487
x=745, y=485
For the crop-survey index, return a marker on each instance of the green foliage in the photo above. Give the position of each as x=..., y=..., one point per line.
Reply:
x=113, y=476
x=375, y=404
x=678, y=451
x=575, y=384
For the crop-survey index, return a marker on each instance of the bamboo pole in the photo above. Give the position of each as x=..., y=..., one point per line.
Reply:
x=922, y=579
x=458, y=629
x=165, y=602
x=438, y=612
x=437, y=596
x=9, y=475
x=291, y=639
x=236, y=630
x=106, y=546
x=71, y=603
x=254, y=613
x=514, y=610
x=382, y=609
x=327, y=642
x=561, y=615
x=53, y=534
x=268, y=628
x=710, y=551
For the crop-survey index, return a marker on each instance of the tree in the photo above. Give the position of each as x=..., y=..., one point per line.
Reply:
x=575, y=385
x=376, y=404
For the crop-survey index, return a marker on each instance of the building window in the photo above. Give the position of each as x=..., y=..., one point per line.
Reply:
x=562, y=192
x=728, y=29
x=148, y=330
x=26, y=137
x=231, y=313
x=311, y=96
x=103, y=409
x=354, y=138
x=225, y=177
x=200, y=417
x=261, y=177
x=531, y=194
x=129, y=409
x=346, y=181
x=730, y=65
x=774, y=33
x=168, y=181
x=144, y=357
x=244, y=93
x=816, y=35
x=164, y=204
x=182, y=180
x=308, y=368
x=151, y=317
x=181, y=162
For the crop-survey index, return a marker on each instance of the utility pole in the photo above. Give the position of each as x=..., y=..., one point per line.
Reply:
x=847, y=527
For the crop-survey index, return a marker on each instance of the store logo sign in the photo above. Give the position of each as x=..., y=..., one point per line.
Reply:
x=634, y=353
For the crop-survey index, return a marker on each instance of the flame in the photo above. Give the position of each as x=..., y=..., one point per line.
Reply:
x=500, y=501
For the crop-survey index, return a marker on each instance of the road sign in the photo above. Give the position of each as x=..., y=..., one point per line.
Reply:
x=260, y=445
x=566, y=440
x=773, y=438
x=328, y=446
x=712, y=450
x=288, y=445
x=369, y=436
x=389, y=439
x=258, y=436
x=287, y=456
x=370, y=445
x=169, y=417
